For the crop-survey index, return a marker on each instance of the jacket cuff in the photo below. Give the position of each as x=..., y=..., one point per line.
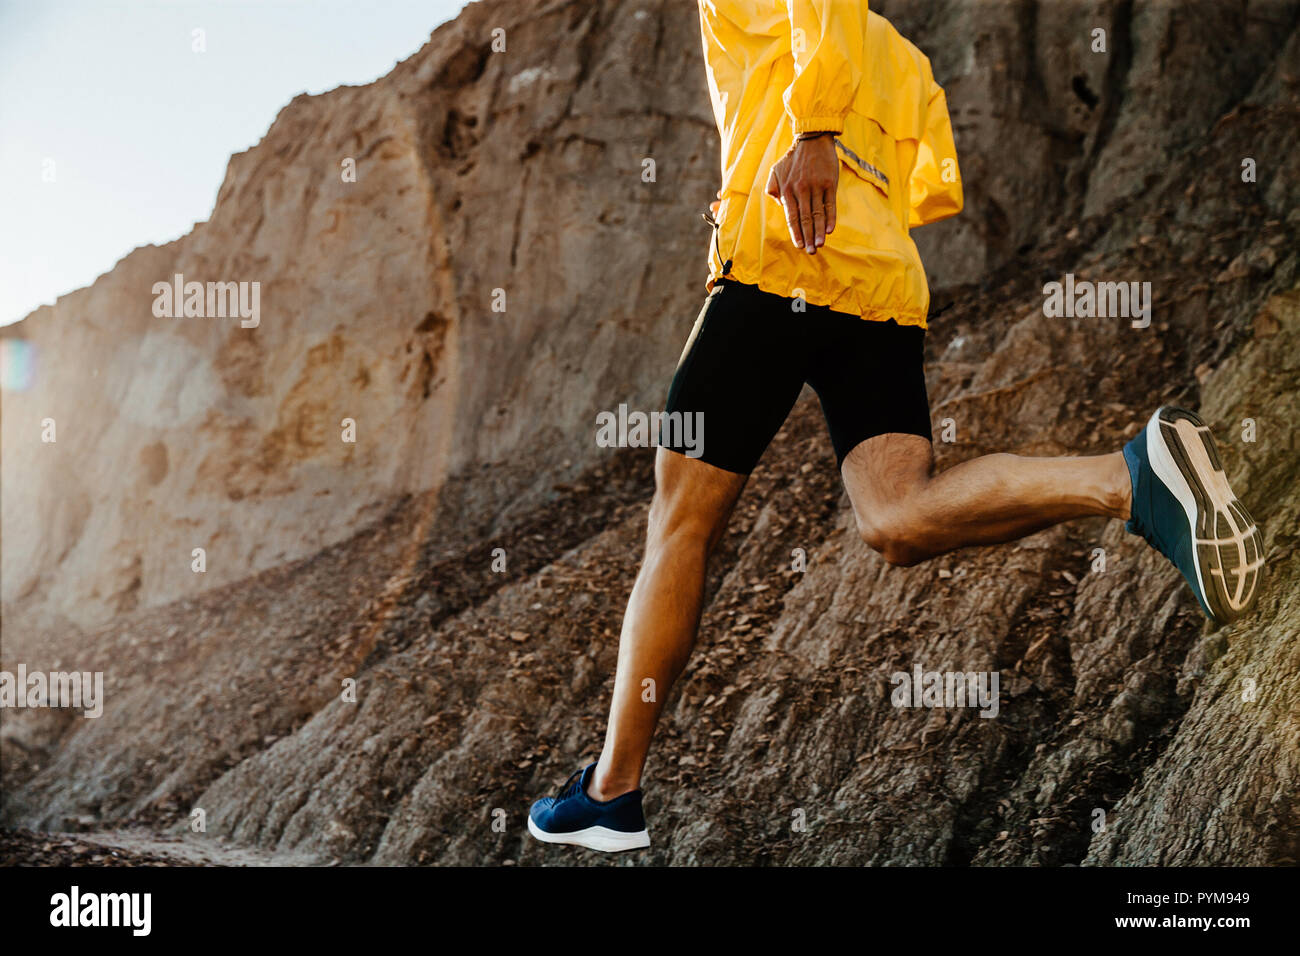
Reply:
x=818, y=124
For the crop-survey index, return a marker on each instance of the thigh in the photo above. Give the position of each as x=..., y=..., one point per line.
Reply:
x=738, y=377
x=882, y=472
x=870, y=377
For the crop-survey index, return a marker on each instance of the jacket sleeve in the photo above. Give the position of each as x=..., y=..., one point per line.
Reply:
x=827, y=38
x=935, y=185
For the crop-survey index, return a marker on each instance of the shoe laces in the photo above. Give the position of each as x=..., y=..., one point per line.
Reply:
x=571, y=786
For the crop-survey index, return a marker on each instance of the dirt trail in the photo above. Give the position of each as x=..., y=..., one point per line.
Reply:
x=131, y=847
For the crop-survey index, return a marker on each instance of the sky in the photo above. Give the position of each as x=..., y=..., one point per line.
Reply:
x=115, y=131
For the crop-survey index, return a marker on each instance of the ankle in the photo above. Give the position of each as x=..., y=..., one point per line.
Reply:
x=604, y=788
x=1119, y=497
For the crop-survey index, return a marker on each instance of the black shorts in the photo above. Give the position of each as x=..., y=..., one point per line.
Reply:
x=750, y=354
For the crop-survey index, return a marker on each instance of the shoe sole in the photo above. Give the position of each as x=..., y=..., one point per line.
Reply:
x=1228, y=544
x=594, y=838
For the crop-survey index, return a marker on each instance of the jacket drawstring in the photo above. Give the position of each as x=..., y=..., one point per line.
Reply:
x=708, y=217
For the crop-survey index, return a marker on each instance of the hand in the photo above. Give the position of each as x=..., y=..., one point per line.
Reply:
x=804, y=180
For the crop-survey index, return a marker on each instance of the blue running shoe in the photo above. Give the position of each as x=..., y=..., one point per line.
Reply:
x=574, y=818
x=1183, y=507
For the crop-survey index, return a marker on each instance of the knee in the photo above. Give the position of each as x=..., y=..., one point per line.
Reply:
x=678, y=522
x=895, y=537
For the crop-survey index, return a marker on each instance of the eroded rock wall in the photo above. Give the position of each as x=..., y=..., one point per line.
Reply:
x=477, y=691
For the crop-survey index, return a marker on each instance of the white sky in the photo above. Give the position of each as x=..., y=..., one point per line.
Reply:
x=139, y=126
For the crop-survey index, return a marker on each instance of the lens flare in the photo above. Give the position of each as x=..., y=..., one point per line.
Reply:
x=17, y=365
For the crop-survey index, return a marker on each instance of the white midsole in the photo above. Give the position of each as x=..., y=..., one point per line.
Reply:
x=594, y=838
x=1167, y=470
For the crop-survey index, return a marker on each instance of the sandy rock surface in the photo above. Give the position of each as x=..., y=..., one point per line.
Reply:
x=1129, y=732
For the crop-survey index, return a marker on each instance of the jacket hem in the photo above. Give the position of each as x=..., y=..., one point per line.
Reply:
x=850, y=302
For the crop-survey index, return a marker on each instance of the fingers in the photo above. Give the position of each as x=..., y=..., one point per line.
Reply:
x=796, y=203
x=773, y=184
x=805, y=214
x=830, y=210
x=818, y=237
x=786, y=195
x=808, y=219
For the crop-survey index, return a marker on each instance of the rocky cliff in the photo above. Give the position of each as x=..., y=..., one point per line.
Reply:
x=502, y=269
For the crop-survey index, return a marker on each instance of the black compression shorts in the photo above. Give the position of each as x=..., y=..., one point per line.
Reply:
x=750, y=354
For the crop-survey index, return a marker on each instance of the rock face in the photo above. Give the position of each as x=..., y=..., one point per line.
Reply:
x=433, y=301
x=1127, y=733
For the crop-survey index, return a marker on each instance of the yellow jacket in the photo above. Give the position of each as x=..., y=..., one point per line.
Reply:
x=778, y=68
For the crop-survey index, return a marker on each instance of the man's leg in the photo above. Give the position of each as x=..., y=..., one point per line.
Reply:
x=740, y=373
x=908, y=514
x=692, y=504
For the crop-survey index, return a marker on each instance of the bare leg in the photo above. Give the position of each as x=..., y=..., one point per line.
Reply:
x=692, y=504
x=908, y=514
